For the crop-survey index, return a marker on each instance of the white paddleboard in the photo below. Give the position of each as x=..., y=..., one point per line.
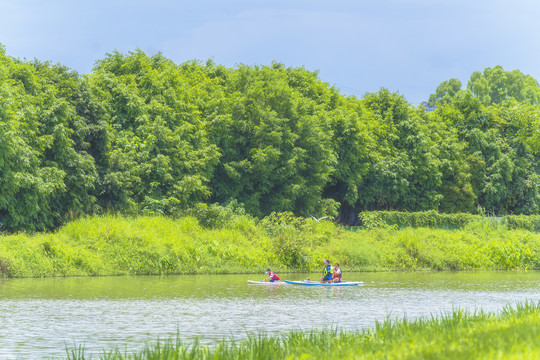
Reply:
x=260, y=282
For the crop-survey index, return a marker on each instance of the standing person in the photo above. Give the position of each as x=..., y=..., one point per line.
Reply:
x=336, y=277
x=272, y=276
x=327, y=271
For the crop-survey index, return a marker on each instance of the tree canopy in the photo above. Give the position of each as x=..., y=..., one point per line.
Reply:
x=141, y=134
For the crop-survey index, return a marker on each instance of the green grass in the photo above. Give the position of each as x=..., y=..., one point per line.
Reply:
x=512, y=334
x=116, y=245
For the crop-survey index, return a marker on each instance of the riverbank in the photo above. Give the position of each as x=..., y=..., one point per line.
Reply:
x=512, y=334
x=116, y=245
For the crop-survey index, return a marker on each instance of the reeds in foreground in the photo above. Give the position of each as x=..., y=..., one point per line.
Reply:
x=514, y=333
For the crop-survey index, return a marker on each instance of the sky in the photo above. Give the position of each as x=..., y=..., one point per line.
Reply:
x=406, y=46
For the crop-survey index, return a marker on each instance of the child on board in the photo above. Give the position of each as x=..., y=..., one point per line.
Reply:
x=272, y=276
x=336, y=276
x=327, y=271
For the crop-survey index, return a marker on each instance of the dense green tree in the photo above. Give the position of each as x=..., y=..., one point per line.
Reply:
x=353, y=143
x=275, y=140
x=406, y=173
x=456, y=189
x=495, y=85
x=515, y=121
x=159, y=158
x=445, y=92
x=501, y=160
x=45, y=176
x=143, y=134
x=74, y=133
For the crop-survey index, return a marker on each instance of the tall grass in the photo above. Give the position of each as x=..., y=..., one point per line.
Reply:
x=512, y=334
x=116, y=245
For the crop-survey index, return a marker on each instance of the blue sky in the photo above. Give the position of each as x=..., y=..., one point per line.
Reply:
x=408, y=46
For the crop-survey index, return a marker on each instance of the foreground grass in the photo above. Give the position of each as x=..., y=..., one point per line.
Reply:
x=512, y=334
x=116, y=245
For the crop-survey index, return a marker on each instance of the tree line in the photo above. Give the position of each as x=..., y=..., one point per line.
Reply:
x=141, y=134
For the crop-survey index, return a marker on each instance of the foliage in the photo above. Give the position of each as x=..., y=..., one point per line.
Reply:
x=374, y=219
x=115, y=245
x=495, y=85
x=491, y=86
x=445, y=92
x=291, y=243
x=5, y=268
x=274, y=139
x=46, y=172
x=141, y=135
x=215, y=216
x=432, y=219
x=159, y=158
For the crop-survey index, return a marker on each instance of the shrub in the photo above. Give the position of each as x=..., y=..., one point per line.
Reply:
x=5, y=267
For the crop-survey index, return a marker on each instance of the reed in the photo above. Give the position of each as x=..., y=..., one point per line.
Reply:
x=118, y=245
x=514, y=333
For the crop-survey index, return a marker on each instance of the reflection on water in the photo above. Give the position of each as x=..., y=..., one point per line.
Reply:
x=39, y=317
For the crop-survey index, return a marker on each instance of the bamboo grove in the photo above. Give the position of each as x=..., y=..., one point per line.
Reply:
x=143, y=135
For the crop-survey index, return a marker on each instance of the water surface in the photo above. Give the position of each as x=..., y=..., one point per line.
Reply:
x=40, y=317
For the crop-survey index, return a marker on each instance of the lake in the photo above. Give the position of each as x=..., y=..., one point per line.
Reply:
x=40, y=317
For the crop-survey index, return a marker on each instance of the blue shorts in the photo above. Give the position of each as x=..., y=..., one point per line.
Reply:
x=327, y=277
x=272, y=280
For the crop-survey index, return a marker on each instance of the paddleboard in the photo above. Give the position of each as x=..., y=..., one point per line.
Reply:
x=316, y=283
x=259, y=282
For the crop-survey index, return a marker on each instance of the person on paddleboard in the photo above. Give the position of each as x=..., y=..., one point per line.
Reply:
x=272, y=276
x=336, y=276
x=327, y=271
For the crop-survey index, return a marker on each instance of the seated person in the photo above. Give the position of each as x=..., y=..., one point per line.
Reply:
x=336, y=276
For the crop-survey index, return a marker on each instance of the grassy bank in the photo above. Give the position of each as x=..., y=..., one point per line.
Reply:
x=512, y=334
x=115, y=245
